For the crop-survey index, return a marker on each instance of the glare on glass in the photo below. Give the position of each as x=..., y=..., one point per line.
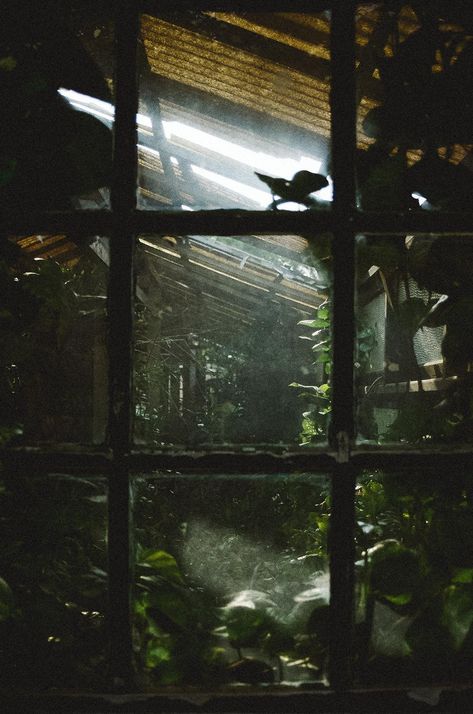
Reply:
x=232, y=583
x=233, y=102
x=232, y=340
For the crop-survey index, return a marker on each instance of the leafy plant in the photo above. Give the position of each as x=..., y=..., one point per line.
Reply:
x=53, y=584
x=316, y=419
x=423, y=79
x=49, y=152
x=414, y=578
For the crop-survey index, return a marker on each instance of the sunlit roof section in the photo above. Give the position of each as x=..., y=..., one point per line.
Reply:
x=236, y=75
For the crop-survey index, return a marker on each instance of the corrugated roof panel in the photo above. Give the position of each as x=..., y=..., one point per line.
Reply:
x=266, y=26
x=236, y=75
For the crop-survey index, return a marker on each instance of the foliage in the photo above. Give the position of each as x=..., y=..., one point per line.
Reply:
x=316, y=419
x=414, y=538
x=49, y=315
x=53, y=584
x=48, y=151
x=52, y=565
x=248, y=582
x=415, y=578
x=240, y=375
x=424, y=78
x=414, y=575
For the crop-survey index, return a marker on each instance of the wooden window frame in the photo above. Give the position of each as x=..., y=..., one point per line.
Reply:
x=120, y=457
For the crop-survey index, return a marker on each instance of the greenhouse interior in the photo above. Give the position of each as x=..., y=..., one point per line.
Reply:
x=232, y=354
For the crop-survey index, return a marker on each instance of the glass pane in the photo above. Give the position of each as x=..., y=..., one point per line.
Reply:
x=415, y=578
x=56, y=71
x=415, y=343
x=53, y=292
x=231, y=579
x=53, y=583
x=229, y=103
x=415, y=89
x=232, y=341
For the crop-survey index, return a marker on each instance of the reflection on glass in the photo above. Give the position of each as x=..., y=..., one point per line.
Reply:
x=415, y=110
x=415, y=342
x=230, y=96
x=231, y=579
x=53, y=386
x=232, y=340
x=415, y=578
x=56, y=152
x=53, y=583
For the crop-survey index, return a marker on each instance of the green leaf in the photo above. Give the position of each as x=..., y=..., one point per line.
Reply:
x=6, y=600
x=451, y=537
x=325, y=345
x=385, y=187
x=8, y=63
x=7, y=170
x=394, y=571
x=165, y=565
x=246, y=626
x=156, y=654
x=169, y=608
x=458, y=612
x=402, y=599
x=307, y=323
x=248, y=618
x=463, y=575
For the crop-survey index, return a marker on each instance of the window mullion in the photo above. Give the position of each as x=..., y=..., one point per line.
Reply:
x=341, y=544
x=123, y=201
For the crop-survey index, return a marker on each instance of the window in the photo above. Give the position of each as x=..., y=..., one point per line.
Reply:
x=236, y=405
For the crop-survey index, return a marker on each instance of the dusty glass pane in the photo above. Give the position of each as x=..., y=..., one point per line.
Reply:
x=231, y=579
x=53, y=385
x=414, y=340
x=415, y=112
x=226, y=95
x=232, y=340
x=52, y=583
x=414, y=578
x=56, y=73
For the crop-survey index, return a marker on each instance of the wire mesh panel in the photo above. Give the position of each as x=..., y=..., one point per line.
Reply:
x=414, y=339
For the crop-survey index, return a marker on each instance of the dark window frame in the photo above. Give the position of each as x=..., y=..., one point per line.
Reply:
x=120, y=457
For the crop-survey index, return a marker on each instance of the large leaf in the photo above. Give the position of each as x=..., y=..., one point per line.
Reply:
x=458, y=612
x=248, y=618
x=451, y=537
x=395, y=572
x=163, y=564
x=385, y=187
x=169, y=607
x=444, y=184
